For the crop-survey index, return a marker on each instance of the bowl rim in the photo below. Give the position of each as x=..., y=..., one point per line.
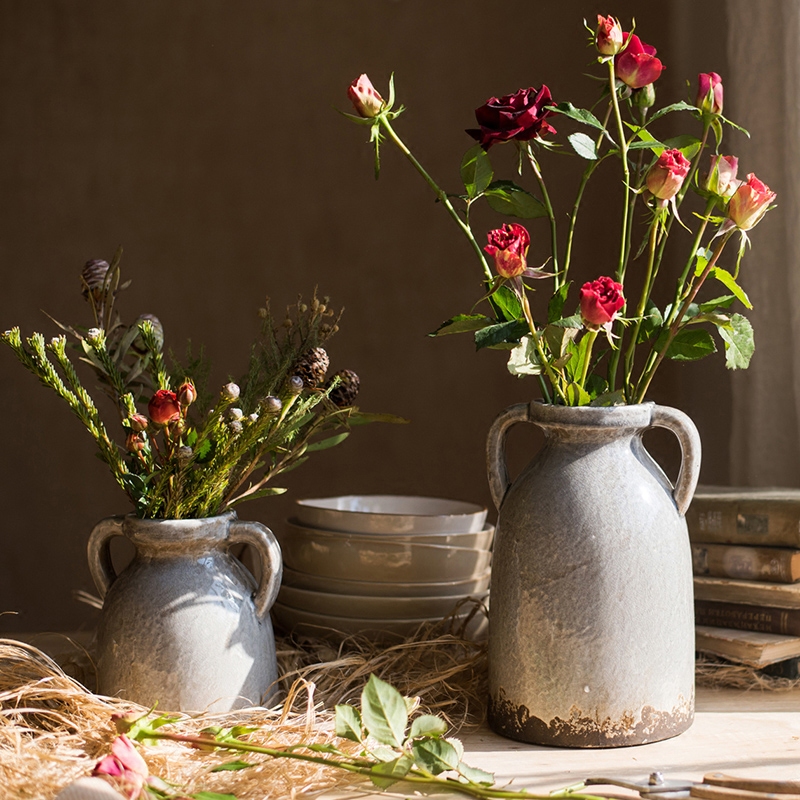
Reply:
x=464, y=507
x=389, y=536
x=487, y=573
x=386, y=598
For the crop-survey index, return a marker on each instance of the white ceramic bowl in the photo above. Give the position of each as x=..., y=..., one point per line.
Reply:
x=387, y=514
x=472, y=587
x=370, y=558
x=366, y=607
x=311, y=623
x=478, y=540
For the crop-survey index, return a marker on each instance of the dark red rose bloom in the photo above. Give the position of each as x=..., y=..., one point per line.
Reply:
x=519, y=116
x=637, y=65
x=600, y=302
x=508, y=246
x=164, y=407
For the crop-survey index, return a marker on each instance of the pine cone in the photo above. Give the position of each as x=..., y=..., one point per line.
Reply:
x=346, y=390
x=311, y=367
x=94, y=277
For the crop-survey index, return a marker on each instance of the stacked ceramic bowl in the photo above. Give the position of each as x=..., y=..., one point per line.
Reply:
x=381, y=564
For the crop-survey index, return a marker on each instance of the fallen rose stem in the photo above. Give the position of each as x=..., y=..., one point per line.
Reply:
x=364, y=768
x=647, y=288
x=644, y=383
x=441, y=194
x=551, y=215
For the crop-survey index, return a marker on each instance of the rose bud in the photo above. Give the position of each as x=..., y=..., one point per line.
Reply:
x=666, y=176
x=367, y=102
x=721, y=178
x=637, y=65
x=644, y=97
x=600, y=302
x=135, y=443
x=138, y=422
x=125, y=767
x=230, y=391
x=709, y=93
x=187, y=394
x=164, y=407
x=519, y=116
x=125, y=720
x=508, y=246
x=608, y=39
x=750, y=202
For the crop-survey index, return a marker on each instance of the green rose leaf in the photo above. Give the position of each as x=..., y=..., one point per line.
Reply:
x=729, y=282
x=212, y=796
x=428, y=725
x=739, y=342
x=691, y=345
x=583, y=145
x=462, y=323
x=475, y=775
x=524, y=360
x=681, y=106
x=507, y=304
x=688, y=145
x=476, y=171
x=578, y=114
x=385, y=774
x=231, y=766
x=555, y=308
x=347, y=723
x=718, y=302
x=507, y=198
x=384, y=712
x=652, y=321
x=435, y=755
x=502, y=333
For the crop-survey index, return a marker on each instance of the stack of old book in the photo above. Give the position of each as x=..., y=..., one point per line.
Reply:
x=746, y=559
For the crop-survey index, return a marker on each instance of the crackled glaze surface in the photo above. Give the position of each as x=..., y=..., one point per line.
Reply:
x=184, y=624
x=591, y=634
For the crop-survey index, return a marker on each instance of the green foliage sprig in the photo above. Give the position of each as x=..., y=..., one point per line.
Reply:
x=190, y=453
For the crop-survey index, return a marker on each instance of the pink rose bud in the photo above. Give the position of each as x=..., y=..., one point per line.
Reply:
x=637, y=65
x=721, y=178
x=666, y=176
x=750, y=202
x=138, y=422
x=608, y=39
x=368, y=103
x=600, y=301
x=709, y=93
x=509, y=248
x=164, y=407
x=187, y=394
x=134, y=443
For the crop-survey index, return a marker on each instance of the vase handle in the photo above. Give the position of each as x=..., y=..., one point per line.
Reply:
x=263, y=541
x=496, y=466
x=99, y=553
x=688, y=437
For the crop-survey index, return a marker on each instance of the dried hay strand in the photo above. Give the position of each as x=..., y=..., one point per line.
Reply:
x=717, y=673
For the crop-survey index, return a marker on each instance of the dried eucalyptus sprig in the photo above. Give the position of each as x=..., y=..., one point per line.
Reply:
x=182, y=459
x=392, y=748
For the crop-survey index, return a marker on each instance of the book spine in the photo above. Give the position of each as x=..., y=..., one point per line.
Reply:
x=747, y=618
x=748, y=562
x=731, y=521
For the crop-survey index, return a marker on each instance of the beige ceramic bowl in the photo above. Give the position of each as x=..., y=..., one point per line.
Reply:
x=390, y=514
x=472, y=587
x=312, y=623
x=478, y=540
x=365, y=607
x=375, y=559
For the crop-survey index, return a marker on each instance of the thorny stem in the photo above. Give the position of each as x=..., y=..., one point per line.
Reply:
x=551, y=216
x=440, y=194
x=623, y=150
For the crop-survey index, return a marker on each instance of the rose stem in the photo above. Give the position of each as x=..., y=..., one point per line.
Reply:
x=550, y=213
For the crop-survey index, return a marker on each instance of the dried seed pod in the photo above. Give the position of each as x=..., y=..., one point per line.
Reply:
x=346, y=390
x=93, y=276
x=312, y=366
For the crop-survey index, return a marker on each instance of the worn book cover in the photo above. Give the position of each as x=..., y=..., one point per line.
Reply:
x=747, y=618
x=754, y=593
x=746, y=562
x=753, y=648
x=730, y=515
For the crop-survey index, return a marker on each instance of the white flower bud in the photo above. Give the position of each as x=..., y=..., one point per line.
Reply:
x=253, y=417
x=231, y=391
x=93, y=334
x=235, y=427
x=235, y=413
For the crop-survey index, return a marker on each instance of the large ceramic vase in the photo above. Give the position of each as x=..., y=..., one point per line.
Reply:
x=185, y=624
x=591, y=626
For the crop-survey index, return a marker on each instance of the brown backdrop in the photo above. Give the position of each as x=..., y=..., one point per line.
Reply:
x=202, y=136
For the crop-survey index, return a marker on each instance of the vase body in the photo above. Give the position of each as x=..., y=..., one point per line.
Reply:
x=185, y=624
x=591, y=625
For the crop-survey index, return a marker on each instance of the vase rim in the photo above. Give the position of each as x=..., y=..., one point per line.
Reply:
x=637, y=415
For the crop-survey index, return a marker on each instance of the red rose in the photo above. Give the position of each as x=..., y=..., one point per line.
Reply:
x=368, y=103
x=519, y=116
x=750, y=202
x=637, y=65
x=509, y=247
x=600, y=302
x=608, y=39
x=721, y=179
x=709, y=93
x=666, y=176
x=164, y=407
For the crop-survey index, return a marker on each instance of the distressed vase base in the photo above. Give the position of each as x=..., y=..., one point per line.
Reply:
x=582, y=731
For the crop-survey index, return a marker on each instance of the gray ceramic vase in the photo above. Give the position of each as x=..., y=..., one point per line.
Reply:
x=591, y=626
x=184, y=624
